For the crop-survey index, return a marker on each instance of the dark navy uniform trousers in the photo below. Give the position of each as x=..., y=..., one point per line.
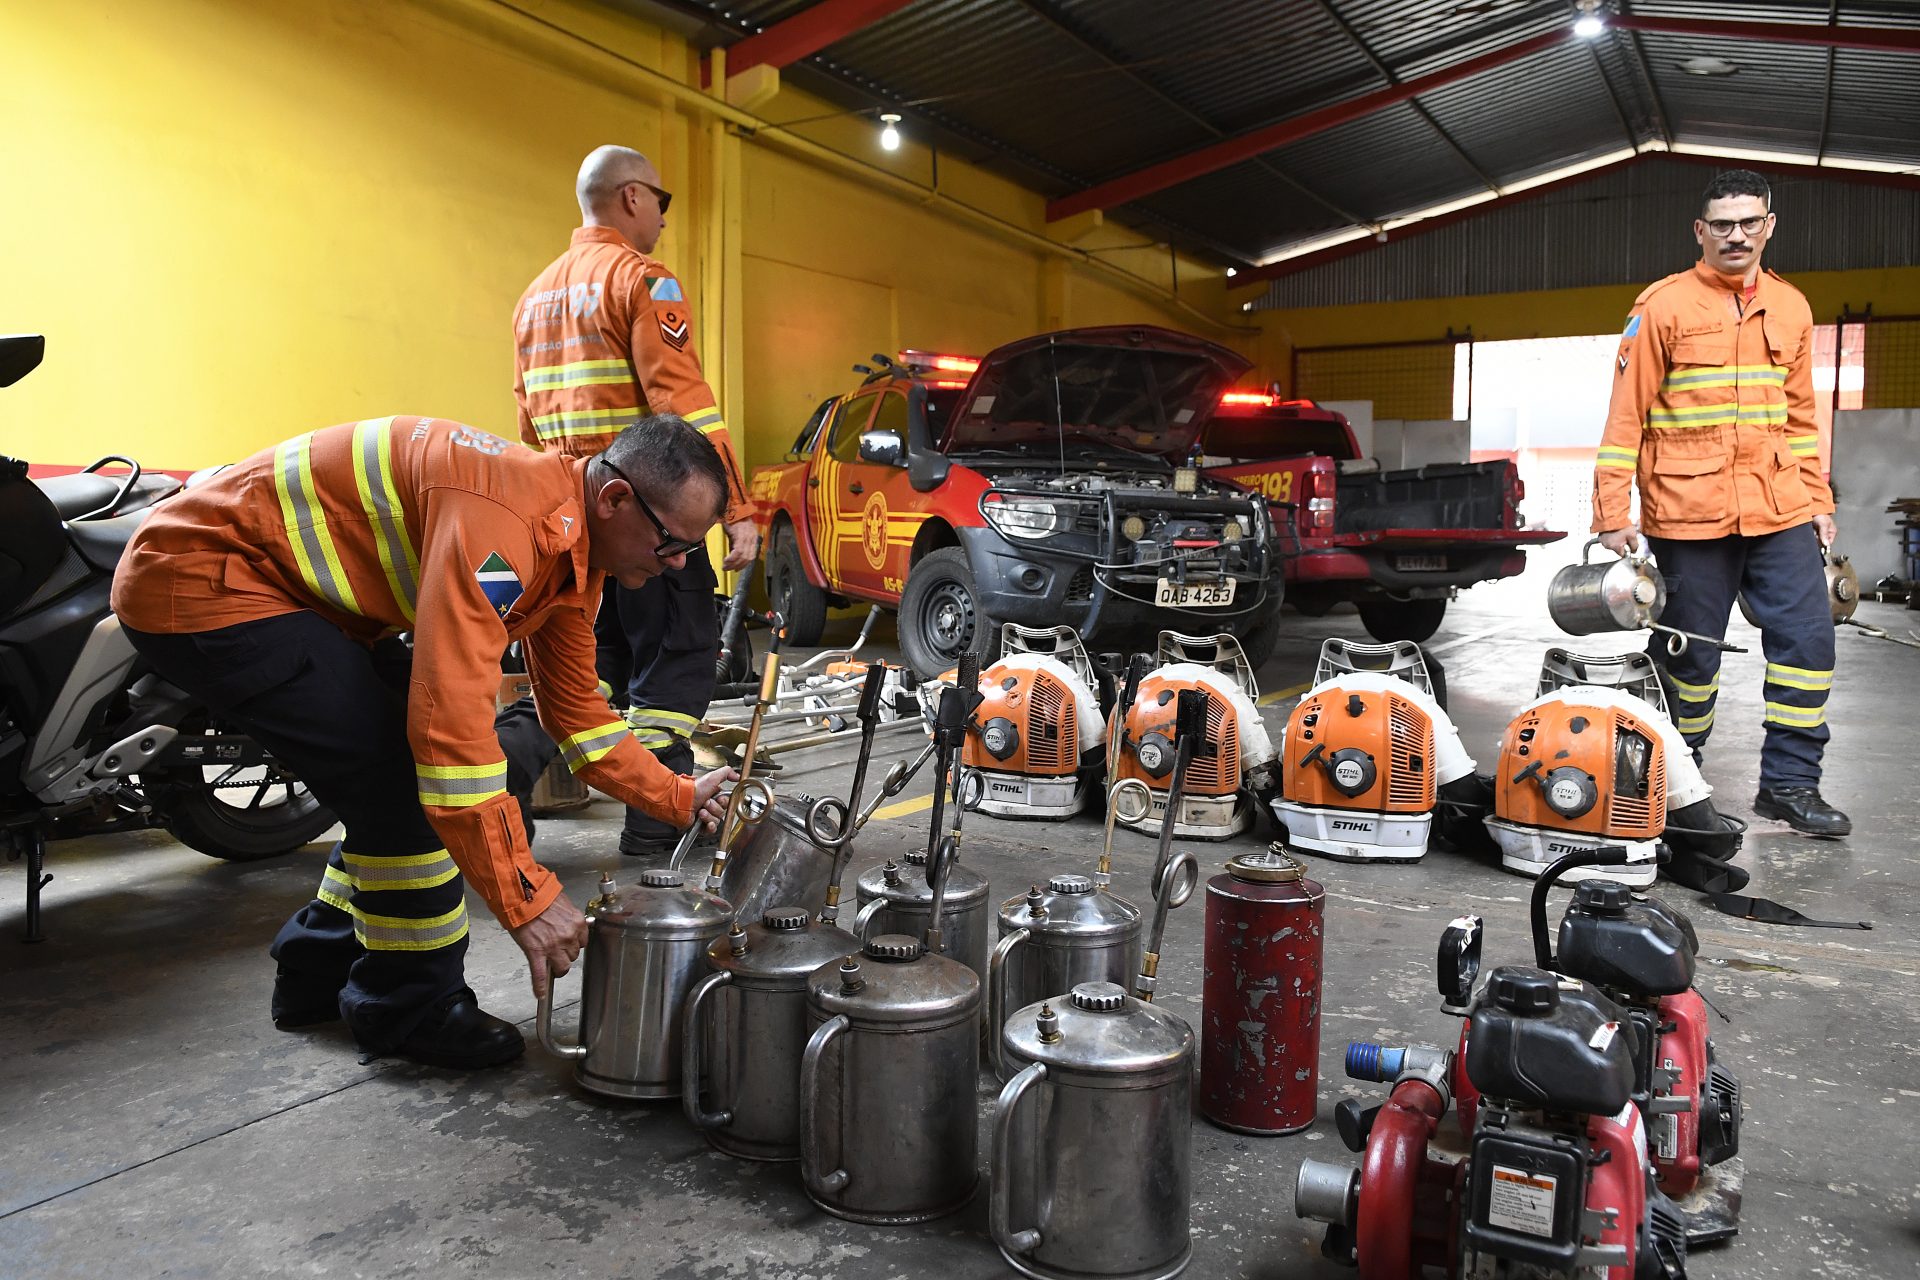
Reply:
x=1785, y=585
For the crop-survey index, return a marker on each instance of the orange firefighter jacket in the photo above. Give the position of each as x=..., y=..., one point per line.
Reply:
x=424, y=525
x=1712, y=412
x=598, y=330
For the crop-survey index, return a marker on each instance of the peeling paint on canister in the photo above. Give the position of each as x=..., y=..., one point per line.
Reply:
x=1260, y=1017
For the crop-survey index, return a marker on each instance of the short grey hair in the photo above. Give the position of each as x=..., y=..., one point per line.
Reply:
x=662, y=453
x=602, y=174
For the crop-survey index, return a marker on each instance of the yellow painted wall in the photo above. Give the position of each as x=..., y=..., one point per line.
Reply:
x=1547, y=314
x=240, y=219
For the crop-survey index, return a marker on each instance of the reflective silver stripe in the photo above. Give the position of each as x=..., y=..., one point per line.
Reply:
x=459, y=786
x=336, y=888
x=1792, y=717
x=589, y=745
x=653, y=739
x=406, y=871
x=398, y=933
x=306, y=525
x=1696, y=692
x=373, y=475
x=1695, y=724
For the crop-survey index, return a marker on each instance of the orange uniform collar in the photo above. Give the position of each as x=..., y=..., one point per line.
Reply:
x=599, y=235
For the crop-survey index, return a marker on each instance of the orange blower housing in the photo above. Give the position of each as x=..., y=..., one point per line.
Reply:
x=1216, y=803
x=1038, y=730
x=1576, y=774
x=1357, y=775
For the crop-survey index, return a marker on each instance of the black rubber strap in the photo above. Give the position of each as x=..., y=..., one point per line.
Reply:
x=1767, y=911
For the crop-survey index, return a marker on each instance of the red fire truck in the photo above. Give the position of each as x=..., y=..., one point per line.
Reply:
x=1049, y=481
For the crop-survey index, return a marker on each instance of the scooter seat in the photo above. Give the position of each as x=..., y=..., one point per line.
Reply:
x=75, y=495
x=101, y=542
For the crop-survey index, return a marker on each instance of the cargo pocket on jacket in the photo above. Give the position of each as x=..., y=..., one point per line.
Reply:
x=1786, y=487
x=1685, y=489
x=692, y=618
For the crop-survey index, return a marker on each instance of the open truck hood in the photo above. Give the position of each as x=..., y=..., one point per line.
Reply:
x=1136, y=387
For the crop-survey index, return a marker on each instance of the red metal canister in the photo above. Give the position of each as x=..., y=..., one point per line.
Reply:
x=1260, y=1017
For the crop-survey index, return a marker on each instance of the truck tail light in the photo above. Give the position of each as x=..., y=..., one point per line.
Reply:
x=1319, y=505
x=1516, y=493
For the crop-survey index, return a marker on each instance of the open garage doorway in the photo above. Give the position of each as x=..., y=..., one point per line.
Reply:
x=1543, y=402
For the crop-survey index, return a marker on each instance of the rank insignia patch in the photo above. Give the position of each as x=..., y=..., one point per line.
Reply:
x=673, y=330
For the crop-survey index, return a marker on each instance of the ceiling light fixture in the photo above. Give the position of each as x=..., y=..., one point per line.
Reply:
x=889, y=134
x=1232, y=272
x=1708, y=66
x=1589, y=24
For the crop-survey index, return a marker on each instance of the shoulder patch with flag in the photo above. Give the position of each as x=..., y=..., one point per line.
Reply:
x=1633, y=326
x=498, y=582
x=665, y=289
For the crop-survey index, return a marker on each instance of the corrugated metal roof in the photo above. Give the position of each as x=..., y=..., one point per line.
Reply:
x=1068, y=94
x=1630, y=225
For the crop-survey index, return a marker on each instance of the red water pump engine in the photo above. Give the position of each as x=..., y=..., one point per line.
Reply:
x=1557, y=1179
x=1640, y=952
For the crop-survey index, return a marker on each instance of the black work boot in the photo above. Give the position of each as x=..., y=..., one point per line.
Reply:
x=298, y=1001
x=1802, y=809
x=458, y=1034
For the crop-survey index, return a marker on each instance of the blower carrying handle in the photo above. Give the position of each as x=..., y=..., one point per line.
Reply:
x=1458, y=963
x=1607, y=855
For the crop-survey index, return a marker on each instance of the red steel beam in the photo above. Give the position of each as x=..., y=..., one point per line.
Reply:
x=1354, y=248
x=1220, y=155
x=806, y=32
x=1873, y=39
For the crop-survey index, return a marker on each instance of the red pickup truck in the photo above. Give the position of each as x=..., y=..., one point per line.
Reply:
x=1399, y=544
x=1048, y=481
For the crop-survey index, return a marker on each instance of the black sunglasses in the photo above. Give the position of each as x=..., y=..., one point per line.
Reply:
x=670, y=546
x=664, y=197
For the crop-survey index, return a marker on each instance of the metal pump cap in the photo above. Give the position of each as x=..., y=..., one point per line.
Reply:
x=1602, y=897
x=1098, y=997
x=893, y=946
x=1644, y=592
x=1272, y=867
x=783, y=918
x=915, y=857
x=1070, y=884
x=662, y=878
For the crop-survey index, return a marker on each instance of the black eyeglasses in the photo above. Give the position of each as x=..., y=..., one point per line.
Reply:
x=664, y=197
x=670, y=546
x=1721, y=228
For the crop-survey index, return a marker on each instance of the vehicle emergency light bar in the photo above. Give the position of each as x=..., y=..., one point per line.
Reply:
x=1261, y=400
x=936, y=362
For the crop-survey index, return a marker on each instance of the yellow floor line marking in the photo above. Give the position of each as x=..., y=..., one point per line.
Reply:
x=1268, y=699
x=905, y=807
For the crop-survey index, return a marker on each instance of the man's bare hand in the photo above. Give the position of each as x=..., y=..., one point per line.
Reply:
x=1827, y=529
x=552, y=940
x=743, y=543
x=708, y=808
x=1621, y=541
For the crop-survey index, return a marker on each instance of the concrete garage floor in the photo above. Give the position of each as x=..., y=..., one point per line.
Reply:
x=156, y=1124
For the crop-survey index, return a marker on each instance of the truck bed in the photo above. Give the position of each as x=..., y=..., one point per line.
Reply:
x=1453, y=495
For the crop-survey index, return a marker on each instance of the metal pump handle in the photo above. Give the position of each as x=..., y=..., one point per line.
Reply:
x=1171, y=888
x=821, y=1185
x=1000, y=1210
x=693, y=1043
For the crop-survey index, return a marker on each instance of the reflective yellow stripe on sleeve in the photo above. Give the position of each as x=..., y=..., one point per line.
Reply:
x=589, y=745
x=373, y=476
x=585, y=422
x=460, y=786
x=1615, y=456
x=708, y=420
x=336, y=889
x=1804, y=446
x=306, y=524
